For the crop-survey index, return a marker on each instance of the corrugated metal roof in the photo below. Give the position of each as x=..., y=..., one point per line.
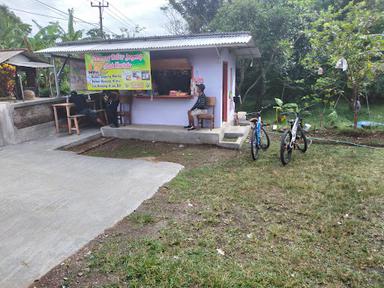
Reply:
x=7, y=54
x=30, y=64
x=21, y=57
x=235, y=39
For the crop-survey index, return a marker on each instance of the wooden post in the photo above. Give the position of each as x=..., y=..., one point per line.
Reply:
x=355, y=93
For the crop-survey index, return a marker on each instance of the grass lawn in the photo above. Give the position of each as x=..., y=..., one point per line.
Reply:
x=234, y=222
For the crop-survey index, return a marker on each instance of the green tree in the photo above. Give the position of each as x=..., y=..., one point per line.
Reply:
x=46, y=36
x=275, y=25
x=349, y=33
x=197, y=13
x=12, y=29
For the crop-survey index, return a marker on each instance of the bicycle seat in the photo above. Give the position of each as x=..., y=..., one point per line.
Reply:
x=253, y=120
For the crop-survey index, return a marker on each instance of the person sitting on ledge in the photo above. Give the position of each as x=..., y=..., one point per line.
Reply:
x=199, y=108
x=81, y=107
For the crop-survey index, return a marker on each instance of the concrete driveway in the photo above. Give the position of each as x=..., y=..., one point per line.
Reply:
x=53, y=202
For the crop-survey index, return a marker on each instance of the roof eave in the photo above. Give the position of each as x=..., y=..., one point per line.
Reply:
x=155, y=38
x=50, y=51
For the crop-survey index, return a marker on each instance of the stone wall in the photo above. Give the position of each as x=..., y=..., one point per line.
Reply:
x=24, y=121
x=32, y=115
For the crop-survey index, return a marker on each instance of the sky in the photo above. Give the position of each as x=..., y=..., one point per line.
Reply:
x=121, y=13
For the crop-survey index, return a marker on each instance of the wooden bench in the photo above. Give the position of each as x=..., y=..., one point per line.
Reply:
x=210, y=116
x=75, y=119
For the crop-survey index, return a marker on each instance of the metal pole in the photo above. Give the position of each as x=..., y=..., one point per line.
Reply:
x=56, y=80
x=100, y=6
x=101, y=21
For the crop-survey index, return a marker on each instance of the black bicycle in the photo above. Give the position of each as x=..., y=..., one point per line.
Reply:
x=259, y=137
x=292, y=139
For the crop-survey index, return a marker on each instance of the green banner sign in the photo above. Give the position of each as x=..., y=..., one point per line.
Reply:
x=118, y=71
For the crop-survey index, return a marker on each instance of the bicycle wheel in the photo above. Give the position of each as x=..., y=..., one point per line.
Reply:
x=264, y=139
x=285, y=150
x=254, y=146
x=301, y=140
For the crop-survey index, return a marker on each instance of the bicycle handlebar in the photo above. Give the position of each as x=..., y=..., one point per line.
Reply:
x=288, y=113
x=257, y=112
x=297, y=113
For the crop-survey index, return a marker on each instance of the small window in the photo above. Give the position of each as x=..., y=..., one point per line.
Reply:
x=170, y=75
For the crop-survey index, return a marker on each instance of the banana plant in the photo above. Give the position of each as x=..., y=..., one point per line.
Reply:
x=284, y=107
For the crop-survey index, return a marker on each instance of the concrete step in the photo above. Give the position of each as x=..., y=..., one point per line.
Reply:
x=236, y=145
x=244, y=123
x=161, y=133
x=235, y=131
x=239, y=132
x=232, y=134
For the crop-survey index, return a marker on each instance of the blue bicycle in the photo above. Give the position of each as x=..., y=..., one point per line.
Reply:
x=259, y=137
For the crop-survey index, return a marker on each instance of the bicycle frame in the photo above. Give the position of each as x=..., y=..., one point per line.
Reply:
x=294, y=128
x=258, y=125
x=294, y=131
x=258, y=130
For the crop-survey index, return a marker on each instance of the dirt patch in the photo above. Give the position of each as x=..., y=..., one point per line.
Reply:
x=359, y=136
x=190, y=156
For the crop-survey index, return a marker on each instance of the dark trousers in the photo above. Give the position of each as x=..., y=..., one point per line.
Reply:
x=111, y=109
x=89, y=113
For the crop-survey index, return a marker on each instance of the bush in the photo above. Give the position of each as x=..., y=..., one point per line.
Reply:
x=7, y=80
x=44, y=92
x=65, y=89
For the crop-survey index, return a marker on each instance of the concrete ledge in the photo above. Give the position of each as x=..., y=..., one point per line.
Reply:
x=37, y=101
x=35, y=132
x=170, y=134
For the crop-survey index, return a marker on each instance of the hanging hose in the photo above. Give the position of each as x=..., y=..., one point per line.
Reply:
x=344, y=143
x=334, y=141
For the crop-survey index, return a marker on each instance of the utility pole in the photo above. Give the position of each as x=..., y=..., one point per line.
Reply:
x=100, y=6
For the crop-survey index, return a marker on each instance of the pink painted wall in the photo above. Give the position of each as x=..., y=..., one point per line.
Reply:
x=206, y=64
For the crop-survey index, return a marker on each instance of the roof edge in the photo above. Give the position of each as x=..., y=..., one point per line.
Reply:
x=53, y=51
x=151, y=38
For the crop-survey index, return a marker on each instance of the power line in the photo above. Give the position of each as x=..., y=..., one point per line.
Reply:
x=28, y=12
x=52, y=8
x=116, y=17
x=125, y=18
x=57, y=11
x=124, y=24
x=66, y=14
x=105, y=26
x=122, y=20
x=42, y=15
x=109, y=30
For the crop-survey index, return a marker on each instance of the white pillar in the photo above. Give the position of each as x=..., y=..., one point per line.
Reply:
x=56, y=80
